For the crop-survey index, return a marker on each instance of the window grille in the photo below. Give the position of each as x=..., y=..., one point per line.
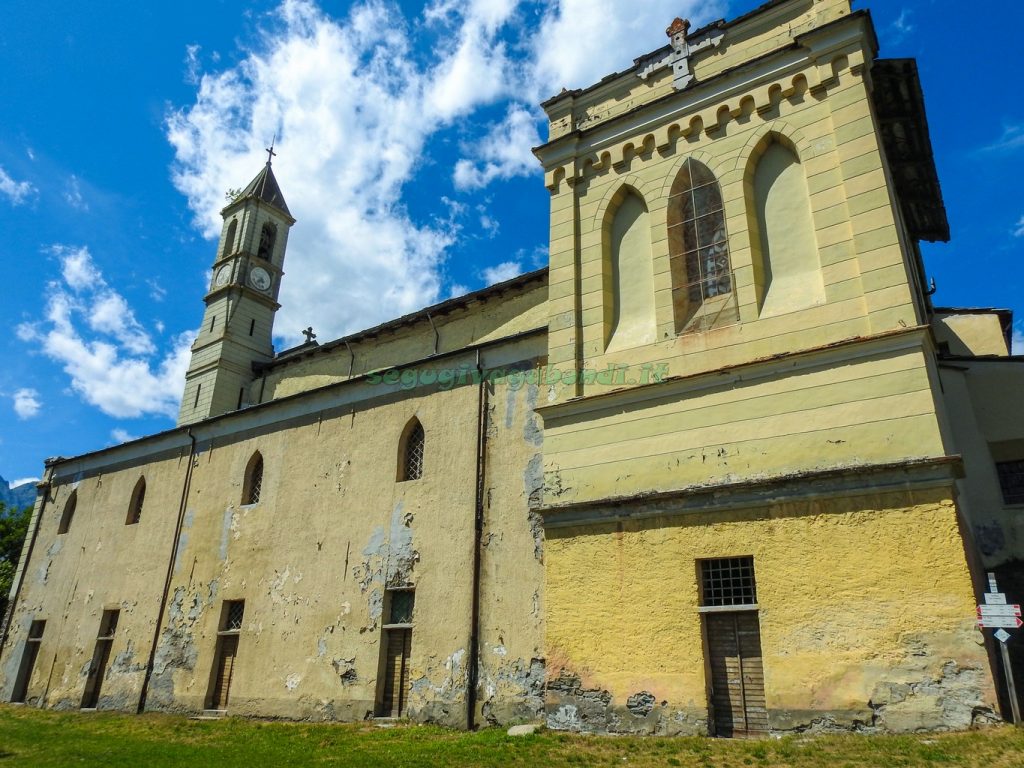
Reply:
x=233, y=616
x=69, y=512
x=1011, y=481
x=138, y=499
x=254, y=481
x=414, y=448
x=402, y=601
x=728, y=581
x=699, y=252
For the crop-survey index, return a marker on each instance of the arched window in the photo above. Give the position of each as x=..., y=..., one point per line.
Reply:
x=69, y=512
x=698, y=248
x=229, y=240
x=135, y=505
x=410, y=452
x=253, y=485
x=628, y=270
x=267, y=237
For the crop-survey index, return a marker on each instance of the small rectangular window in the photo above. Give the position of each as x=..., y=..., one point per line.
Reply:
x=213, y=322
x=401, y=605
x=252, y=326
x=1011, y=481
x=199, y=388
x=728, y=581
x=28, y=661
x=234, y=612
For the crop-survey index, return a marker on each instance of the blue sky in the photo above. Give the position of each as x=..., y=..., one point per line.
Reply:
x=404, y=135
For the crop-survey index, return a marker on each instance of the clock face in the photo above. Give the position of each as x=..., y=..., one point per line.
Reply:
x=259, y=278
x=223, y=275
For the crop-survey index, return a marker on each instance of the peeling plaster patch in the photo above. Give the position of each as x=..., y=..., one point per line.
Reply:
x=56, y=547
x=292, y=681
x=225, y=531
x=346, y=669
x=376, y=604
x=510, y=406
x=175, y=650
x=641, y=704
x=533, y=480
x=401, y=555
x=321, y=648
x=499, y=650
x=532, y=431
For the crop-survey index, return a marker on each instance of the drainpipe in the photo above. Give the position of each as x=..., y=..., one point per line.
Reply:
x=42, y=496
x=478, y=532
x=170, y=571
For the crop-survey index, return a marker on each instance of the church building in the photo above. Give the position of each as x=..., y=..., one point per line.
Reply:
x=720, y=468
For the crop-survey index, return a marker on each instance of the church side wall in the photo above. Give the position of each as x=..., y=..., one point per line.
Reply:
x=864, y=602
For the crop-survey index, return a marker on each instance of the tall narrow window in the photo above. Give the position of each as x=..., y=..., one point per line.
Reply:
x=267, y=237
x=253, y=485
x=137, y=500
x=28, y=661
x=199, y=388
x=410, y=454
x=229, y=239
x=69, y=512
x=100, y=659
x=699, y=251
x=393, y=684
x=232, y=614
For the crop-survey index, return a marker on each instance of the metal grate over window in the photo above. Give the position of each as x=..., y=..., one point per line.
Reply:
x=235, y=614
x=138, y=499
x=414, y=447
x=1011, y=481
x=728, y=581
x=402, y=601
x=254, y=483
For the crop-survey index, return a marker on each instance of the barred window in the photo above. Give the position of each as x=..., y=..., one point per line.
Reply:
x=253, y=485
x=137, y=500
x=234, y=612
x=1011, y=481
x=728, y=581
x=698, y=249
x=411, y=452
x=69, y=512
x=401, y=605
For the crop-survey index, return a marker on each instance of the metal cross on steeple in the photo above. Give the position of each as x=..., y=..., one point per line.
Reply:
x=308, y=333
x=271, y=154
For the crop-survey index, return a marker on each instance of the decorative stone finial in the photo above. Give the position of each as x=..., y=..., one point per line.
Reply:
x=678, y=25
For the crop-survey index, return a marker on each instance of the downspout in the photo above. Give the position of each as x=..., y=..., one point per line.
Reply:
x=437, y=336
x=172, y=561
x=42, y=496
x=478, y=532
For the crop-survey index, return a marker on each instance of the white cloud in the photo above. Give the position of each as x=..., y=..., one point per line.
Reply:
x=503, y=153
x=502, y=272
x=73, y=194
x=1018, y=230
x=91, y=330
x=26, y=403
x=119, y=435
x=1012, y=138
x=355, y=103
x=1017, y=341
x=17, y=192
x=901, y=27
x=22, y=481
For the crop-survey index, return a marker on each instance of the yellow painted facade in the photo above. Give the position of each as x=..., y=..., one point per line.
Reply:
x=563, y=469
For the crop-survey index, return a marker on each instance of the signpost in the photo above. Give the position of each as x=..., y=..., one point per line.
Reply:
x=997, y=614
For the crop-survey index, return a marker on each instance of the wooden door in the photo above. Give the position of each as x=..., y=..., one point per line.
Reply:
x=225, y=668
x=737, y=677
x=396, y=672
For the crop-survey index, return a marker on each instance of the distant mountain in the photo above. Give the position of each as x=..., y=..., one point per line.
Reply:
x=23, y=495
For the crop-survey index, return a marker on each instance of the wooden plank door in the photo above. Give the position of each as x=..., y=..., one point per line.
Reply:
x=225, y=668
x=97, y=671
x=396, y=672
x=737, y=675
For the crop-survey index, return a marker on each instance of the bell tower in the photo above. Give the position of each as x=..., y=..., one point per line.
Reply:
x=241, y=301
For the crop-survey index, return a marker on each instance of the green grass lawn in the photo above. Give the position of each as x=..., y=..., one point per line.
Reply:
x=36, y=738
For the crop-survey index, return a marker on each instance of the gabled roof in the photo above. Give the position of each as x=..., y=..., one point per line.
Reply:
x=264, y=187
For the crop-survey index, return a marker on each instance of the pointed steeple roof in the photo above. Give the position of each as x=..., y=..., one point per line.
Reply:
x=264, y=187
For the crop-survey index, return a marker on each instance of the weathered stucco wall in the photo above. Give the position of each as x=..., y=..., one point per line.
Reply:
x=312, y=560
x=865, y=606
